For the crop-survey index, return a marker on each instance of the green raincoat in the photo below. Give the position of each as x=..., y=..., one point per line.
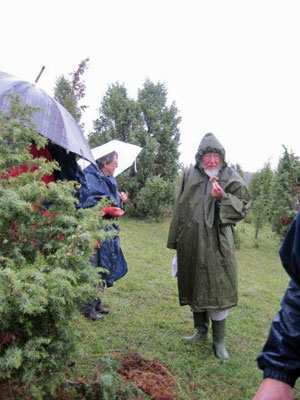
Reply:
x=202, y=233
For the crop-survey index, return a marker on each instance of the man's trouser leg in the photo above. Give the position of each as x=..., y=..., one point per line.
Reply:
x=201, y=323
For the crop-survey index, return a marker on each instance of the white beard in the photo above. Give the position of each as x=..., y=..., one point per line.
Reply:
x=212, y=172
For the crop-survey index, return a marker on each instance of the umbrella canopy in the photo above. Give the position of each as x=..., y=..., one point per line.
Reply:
x=127, y=154
x=50, y=119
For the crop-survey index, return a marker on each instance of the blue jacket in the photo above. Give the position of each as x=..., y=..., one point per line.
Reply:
x=110, y=255
x=280, y=357
x=100, y=186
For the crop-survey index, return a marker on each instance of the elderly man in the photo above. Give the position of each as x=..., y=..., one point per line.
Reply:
x=212, y=199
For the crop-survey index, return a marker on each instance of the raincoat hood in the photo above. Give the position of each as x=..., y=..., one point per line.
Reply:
x=209, y=144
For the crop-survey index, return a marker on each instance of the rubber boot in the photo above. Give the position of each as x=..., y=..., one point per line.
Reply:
x=218, y=331
x=201, y=322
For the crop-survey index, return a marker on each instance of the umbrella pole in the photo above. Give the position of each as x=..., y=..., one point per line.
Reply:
x=39, y=75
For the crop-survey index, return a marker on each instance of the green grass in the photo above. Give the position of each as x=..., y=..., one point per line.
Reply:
x=146, y=317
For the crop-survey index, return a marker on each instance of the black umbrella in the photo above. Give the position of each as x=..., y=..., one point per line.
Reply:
x=50, y=119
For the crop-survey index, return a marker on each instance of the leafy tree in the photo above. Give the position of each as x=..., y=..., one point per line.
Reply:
x=45, y=274
x=161, y=122
x=150, y=123
x=70, y=92
x=154, y=197
x=133, y=181
x=118, y=118
x=285, y=191
x=261, y=194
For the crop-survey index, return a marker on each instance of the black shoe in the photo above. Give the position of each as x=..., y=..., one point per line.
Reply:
x=93, y=315
x=100, y=308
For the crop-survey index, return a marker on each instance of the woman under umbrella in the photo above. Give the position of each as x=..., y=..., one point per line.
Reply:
x=102, y=185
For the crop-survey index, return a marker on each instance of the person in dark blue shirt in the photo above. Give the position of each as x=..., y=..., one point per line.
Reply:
x=280, y=357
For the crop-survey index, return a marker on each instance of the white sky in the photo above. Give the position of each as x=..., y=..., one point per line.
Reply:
x=232, y=67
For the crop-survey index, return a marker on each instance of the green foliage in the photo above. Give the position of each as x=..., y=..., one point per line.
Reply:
x=119, y=118
x=161, y=122
x=107, y=384
x=285, y=192
x=276, y=195
x=64, y=95
x=154, y=198
x=45, y=274
x=69, y=92
x=148, y=122
x=112, y=386
x=261, y=187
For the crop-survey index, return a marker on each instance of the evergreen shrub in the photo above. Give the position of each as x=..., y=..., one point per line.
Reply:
x=45, y=274
x=154, y=198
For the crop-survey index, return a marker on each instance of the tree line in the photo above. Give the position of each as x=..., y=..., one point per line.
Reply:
x=151, y=123
x=276, y=194
x=148, y=121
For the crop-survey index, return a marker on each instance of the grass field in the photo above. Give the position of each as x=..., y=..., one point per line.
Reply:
x=146, y=318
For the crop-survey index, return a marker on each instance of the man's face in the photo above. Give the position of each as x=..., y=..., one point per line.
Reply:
x=110, y=168
x=211, y=163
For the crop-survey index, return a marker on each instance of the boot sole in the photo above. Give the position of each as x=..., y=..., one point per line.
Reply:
x=189, y=340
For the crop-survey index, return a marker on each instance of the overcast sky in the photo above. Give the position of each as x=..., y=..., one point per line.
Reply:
x=231, y=66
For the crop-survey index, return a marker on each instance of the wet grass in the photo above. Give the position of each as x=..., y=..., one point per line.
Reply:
x=146, y=318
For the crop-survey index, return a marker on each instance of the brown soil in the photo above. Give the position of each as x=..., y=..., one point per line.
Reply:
x=5, y=392
x=150, y=376
x=9, y=391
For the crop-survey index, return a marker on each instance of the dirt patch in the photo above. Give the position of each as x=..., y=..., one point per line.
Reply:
x=152, y=377
x=11, y=391
x=5, y=391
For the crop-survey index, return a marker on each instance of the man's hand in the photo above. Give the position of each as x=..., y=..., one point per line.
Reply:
x=217, y=191
x=270, y=389
x=123, y=197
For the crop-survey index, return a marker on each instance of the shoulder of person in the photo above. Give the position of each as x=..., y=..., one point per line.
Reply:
x=91, y=170
x=297, y=218
x=231, y=175
x=113, y=180
x=188, y=172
